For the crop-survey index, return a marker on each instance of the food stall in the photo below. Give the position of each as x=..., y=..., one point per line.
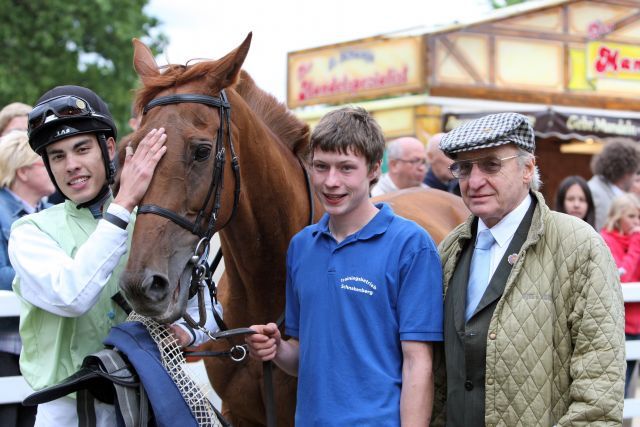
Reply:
x=572, y=66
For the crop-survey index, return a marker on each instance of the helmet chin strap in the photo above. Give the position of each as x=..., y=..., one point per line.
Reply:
x=109, y=165
x=95, y=204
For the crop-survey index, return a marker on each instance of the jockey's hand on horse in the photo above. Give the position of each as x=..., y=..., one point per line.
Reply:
x=138, y=168
x=263, y=345
x=182, y=336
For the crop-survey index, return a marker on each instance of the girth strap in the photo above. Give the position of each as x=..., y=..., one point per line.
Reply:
x=133, y=407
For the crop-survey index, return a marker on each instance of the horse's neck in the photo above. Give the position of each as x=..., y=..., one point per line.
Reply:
x=274, y=205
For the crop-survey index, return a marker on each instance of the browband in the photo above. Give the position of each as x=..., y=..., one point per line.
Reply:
x=175, y=99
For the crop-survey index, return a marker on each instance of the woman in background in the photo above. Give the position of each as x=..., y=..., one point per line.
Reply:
x=622, y=234
x=23, y=184
x=635, y=184
x=574, y=198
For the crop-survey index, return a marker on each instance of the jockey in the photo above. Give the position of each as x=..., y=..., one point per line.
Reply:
x=68, y=258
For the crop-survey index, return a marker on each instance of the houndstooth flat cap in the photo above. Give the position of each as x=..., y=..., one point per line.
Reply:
x=490, y=131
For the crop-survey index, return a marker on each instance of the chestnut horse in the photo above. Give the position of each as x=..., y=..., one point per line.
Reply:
x=255, y=223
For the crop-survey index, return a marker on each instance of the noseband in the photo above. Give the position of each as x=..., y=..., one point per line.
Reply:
x=205, y=232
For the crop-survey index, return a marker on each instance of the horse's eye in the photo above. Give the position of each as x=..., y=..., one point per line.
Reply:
x=202, y=153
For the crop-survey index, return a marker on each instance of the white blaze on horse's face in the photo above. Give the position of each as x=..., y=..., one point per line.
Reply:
x=341, y=181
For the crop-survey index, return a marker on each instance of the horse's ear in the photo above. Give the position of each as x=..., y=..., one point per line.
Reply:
x=228, y=68
x=143, y=60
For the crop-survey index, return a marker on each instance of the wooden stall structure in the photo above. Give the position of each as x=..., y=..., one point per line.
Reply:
x=571, y=65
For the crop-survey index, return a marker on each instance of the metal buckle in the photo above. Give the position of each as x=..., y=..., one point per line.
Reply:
x=238, y=353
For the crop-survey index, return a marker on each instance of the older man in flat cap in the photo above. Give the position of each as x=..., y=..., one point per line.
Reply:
x=534, y=318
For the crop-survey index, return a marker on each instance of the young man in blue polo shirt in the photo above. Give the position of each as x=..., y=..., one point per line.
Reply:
x=364, y=294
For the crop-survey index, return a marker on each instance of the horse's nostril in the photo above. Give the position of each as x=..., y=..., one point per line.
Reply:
x=156, y=287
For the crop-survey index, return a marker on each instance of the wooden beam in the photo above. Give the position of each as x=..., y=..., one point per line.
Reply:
x=430, y=70
x=459, y=56
x=492, y=60
x=627, y=3
x=621, y=23
x=540, y=97
x=566, y=75
x=527, y=34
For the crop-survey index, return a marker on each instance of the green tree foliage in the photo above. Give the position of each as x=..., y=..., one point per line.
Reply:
x=46, y=43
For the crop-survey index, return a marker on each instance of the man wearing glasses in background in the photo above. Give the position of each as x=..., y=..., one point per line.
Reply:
x=534, y=318
x=407, y=166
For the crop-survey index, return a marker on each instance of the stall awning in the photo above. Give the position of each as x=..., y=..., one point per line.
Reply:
x=563, y=123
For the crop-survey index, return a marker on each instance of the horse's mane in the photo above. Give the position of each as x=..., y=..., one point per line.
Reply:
x=292, y=132
x=282, y=122
x=171, y=75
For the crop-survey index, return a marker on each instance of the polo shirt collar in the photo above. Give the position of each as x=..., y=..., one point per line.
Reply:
x=378, y=224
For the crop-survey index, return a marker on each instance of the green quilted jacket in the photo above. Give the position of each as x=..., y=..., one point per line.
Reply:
x=557, y=356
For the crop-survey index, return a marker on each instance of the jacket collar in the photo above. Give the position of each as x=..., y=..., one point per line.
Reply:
x=464, y=232
x=537, y=223
x=13, y=205
x=607, y=186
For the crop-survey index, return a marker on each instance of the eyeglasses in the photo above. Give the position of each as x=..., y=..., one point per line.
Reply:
x=64, y=106
x=413, y=161
x=489, y=165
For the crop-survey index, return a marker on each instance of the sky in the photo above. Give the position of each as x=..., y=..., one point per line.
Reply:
x=212, y=28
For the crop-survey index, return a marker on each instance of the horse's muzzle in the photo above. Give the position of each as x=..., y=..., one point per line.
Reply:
x=147, y=291
x=155, y=288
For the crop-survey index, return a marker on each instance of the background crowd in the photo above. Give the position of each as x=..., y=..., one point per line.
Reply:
x=609, y=202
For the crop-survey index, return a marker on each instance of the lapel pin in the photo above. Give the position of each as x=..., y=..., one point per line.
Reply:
x=511, y=259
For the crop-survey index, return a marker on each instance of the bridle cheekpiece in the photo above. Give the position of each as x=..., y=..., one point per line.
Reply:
x=201, y=226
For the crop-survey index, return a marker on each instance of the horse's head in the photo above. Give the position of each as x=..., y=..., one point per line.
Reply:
x=186, y=200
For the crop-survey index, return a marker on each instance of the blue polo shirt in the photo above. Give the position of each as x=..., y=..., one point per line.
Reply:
x=350, y=304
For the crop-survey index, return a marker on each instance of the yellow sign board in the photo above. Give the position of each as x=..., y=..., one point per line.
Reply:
x=357, y=70
x=613, y=61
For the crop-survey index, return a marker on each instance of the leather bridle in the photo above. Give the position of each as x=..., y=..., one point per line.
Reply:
x=217, y=181
x=203, y=227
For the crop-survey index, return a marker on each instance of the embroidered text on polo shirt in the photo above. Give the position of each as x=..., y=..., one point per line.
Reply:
x=358, y=282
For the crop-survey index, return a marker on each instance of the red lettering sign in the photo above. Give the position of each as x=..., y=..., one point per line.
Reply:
x=610, y=61
x=351, y=86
